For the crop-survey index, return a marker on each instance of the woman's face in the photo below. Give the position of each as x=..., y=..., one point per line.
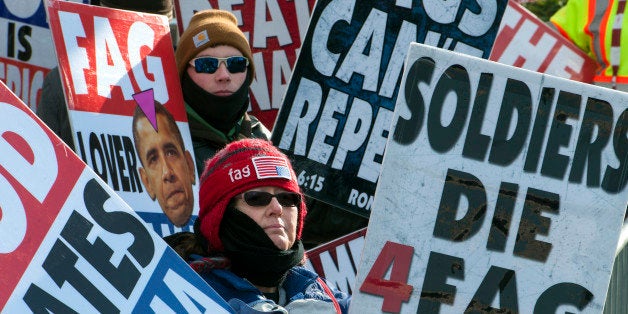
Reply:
x=279, y=222
x=222, y=82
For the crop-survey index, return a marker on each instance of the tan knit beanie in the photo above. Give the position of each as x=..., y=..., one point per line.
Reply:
x=210, y=28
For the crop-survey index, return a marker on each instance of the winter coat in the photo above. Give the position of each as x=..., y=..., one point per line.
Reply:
x=52, y=108
x=302, y=291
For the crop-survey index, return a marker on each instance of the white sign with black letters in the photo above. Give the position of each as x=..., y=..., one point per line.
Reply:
x=501, y=189
x=336, y=114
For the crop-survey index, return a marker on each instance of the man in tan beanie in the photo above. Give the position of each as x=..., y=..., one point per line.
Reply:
x=216, y=69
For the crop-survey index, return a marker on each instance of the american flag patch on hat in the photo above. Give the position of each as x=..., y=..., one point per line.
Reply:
x=271, y=167
x=200, y=39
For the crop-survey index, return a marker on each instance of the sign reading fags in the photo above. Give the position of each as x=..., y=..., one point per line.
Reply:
x=501, y=190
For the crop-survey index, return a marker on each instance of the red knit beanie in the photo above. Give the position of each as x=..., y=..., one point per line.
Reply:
x=239, y=167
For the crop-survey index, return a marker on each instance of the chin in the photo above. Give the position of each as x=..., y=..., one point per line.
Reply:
x=180, y=220
x=282, y=246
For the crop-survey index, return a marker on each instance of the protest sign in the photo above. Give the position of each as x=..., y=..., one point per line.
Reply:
x=70, y=243
x=274, y=30
x=501, y=189
x=527, y=42
x=25, y=48
x=335, y=118
x=115, y=64
x=337, y=261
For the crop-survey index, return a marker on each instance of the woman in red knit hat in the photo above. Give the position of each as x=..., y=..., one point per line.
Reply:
x=247, y=237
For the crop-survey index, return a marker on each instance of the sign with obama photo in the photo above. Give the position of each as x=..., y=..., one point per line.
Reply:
x=337, y=110
x=502, y=190
x=126, y=108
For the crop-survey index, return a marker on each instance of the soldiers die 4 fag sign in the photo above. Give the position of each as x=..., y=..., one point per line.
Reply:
x=501, y=190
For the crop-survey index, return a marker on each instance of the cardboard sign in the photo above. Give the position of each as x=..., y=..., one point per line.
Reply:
x=25, y=48
x=501, y=190
x=527, y=42
x=336, y=115
x=70, y=244
x=275, y=30
x=113, y=62
x=337, y=261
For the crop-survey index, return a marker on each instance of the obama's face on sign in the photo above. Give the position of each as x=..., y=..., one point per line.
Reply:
x=167, y=170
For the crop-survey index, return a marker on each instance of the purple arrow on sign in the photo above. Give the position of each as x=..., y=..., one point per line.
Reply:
x=146, y=101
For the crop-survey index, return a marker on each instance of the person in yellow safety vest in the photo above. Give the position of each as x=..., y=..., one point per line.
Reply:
x=596, y=27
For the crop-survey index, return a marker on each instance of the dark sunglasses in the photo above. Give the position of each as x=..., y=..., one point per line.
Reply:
x=236, y=64
x=260, y=198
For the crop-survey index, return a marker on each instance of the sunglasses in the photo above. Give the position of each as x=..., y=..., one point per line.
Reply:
x=235, y=64
x=260, y=198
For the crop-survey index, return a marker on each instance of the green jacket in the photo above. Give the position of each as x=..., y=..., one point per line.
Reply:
x=207, y=140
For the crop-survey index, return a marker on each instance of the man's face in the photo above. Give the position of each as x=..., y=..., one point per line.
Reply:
x=222, y=82
x=168, y=171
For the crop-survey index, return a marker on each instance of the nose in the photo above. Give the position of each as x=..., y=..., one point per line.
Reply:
x=168, y=174
x=274, y=208
x=222, y=74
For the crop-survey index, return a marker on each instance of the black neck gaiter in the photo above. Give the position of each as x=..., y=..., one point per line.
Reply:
x=253, y=254
x=220, y=112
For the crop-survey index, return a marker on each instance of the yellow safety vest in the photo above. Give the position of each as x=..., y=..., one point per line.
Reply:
x=590, y=24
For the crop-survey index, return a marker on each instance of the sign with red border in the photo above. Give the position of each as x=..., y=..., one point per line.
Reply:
x=25, y=48
x=527, y=42
x=111, y=63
